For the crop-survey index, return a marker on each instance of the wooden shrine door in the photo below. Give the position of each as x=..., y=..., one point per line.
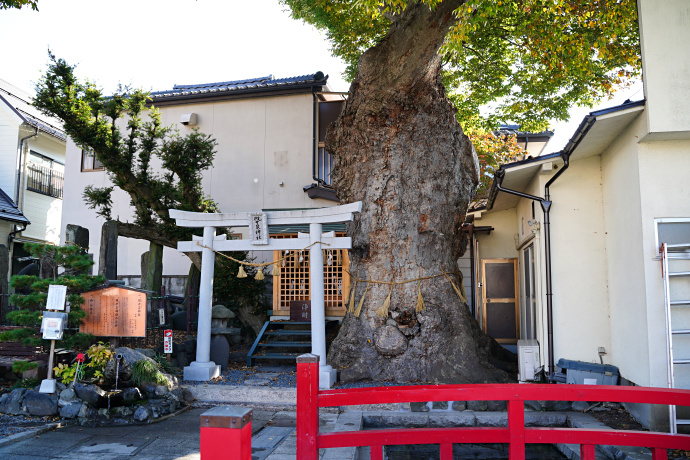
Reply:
x=500, y=317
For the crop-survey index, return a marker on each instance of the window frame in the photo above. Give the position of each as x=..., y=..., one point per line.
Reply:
x=93, y=160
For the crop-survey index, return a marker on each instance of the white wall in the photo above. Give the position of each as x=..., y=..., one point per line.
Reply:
x=622, y=202
x=9, y=135
x=664, y=32
x=267, y=138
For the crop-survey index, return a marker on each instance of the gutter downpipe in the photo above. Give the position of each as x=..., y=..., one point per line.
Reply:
x=546, y=207
x=20, y=167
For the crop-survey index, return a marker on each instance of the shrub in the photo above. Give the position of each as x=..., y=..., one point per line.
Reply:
x=19, y=367
x=145, y=371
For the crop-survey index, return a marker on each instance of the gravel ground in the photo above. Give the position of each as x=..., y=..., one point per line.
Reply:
x=13, y=424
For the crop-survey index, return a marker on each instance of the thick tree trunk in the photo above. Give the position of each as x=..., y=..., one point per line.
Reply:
x=400, y=150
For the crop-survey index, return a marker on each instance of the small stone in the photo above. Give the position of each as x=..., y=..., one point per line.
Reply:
x=40, y=404
x=122, y=411
x=580, y=406
x=161, y=390
x=13, y=404
x=459, y=406
x=92, y=394
x=105, y=413
x=478, y=406
x=4, y=397
x=419, y=407
x=60, y=386
x=70, y=410
x=142, y=414
x=187, y=395
x=131, y=394
x=497, y=406
x=66, y=397
x=87, y=412
x=439, y=405
x=150, y=390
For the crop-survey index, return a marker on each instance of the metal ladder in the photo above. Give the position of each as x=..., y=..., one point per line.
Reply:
x=676, y=274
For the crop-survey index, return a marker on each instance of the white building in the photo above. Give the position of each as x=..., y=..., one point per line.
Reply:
x=270, y=156
x=625, y=191
x=32, y=159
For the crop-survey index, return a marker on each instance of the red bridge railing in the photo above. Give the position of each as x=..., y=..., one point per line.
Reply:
x=516, y=435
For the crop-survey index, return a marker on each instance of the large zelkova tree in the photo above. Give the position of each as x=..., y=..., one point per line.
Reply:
x=7, y=4
x=400, y=150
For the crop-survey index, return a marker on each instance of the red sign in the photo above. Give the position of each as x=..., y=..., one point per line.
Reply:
x=167, y=341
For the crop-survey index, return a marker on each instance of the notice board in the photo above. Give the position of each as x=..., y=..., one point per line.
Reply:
x=114, y=312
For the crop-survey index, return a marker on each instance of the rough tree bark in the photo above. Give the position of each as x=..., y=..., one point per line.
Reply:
x=400, y=150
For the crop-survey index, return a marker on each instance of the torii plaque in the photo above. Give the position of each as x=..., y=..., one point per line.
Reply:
x=203, y=368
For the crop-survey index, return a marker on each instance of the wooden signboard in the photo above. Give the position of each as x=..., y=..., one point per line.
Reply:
x=300, y=310
x=114, y=312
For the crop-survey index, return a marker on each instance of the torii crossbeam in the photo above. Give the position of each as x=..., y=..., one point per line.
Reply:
x=203, y=368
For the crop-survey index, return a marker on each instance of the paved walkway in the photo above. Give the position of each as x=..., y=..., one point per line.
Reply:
x=273, y=430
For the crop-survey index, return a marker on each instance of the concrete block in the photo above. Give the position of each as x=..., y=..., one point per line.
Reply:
x=491, y=419
x=452, y=419
x=385, y=419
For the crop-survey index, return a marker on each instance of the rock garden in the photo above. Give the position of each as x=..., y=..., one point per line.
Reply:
x=110, y=387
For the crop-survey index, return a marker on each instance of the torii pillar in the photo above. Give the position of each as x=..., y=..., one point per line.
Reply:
x=203, y=369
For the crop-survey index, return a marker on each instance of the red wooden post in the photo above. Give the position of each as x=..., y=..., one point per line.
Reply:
x=307, y=406
x=226, y=433
x=376, y=452
x=516, y=427
x=659, y=453
x=587, y=452
x=447, y=451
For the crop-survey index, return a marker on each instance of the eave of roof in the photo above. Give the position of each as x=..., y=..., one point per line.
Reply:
x=240, y=87
x=18, y=102
x=9, y=211
x=594, y=134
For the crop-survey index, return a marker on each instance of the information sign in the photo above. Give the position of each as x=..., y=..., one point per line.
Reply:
x=52, y=328
x=300, y=310
x=56, y=297
x=168, y=341
x=114, y=312
x=258, y=228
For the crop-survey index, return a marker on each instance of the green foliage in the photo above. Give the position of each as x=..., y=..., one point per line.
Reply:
x=92, y=369
x=229, y=290
x=16, y=335
x=7, y=4
x=77, y=341
x=126, y=135
x=164, y=365
x=523, y=61
x=145, y=371
x=29, y=383
x=32, y=291
x=66, y=372
x=492, y=151
x=19, y=367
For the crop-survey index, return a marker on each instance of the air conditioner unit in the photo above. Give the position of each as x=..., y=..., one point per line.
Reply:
x=528, y=360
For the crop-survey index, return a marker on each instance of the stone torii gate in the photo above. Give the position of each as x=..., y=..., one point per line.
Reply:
x=203, y=368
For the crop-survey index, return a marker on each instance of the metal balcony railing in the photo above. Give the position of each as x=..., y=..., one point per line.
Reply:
x=45, y=180
x=323, y=165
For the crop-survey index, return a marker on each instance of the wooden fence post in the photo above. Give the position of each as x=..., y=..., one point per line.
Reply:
x=226, y=433
x=516, y=426
x=307, y=406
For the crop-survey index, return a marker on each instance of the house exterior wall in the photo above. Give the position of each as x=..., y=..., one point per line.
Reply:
x=9, y=135
x=663, y=25
x=663, y=163
x=267, y=139
x=578, y=257
x=43, y=211
x=623, y=224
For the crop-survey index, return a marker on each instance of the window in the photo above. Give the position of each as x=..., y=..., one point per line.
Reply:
x=45, y=175
x=323, y=161
x=89, y=161
x=671, y=231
